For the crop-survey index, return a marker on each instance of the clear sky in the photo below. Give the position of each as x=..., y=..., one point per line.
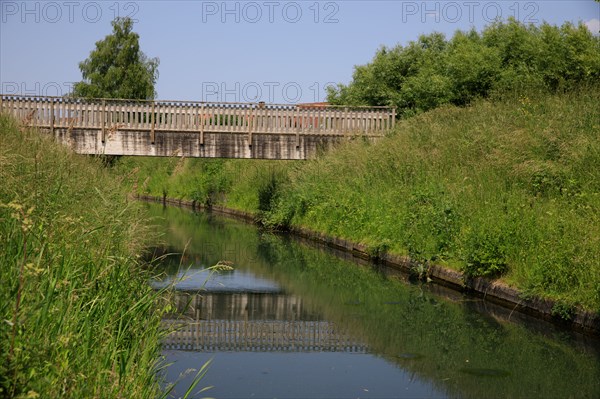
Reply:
x=273, y=51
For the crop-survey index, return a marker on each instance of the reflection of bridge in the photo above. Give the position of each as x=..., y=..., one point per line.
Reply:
x=259, y=336
x=196, y=129
x=253, y=322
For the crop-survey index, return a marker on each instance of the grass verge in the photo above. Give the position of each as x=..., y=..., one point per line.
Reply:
x=77, y=316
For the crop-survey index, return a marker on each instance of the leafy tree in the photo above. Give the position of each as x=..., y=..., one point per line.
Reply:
x=505, y=57
x=471, y=66
x=381, y=81
x=117, y=68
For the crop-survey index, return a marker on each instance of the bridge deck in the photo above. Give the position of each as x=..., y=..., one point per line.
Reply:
x=202, y=129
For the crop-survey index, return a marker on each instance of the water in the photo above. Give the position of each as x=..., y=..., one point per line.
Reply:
x=294, y=320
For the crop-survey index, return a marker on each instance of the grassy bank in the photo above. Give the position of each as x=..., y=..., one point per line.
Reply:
x=77, y=317
x=508, y=188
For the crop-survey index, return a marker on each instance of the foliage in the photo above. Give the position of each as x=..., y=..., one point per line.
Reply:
x=77, y=316
x=117, y=68
x=485, y=253
x=505, y=56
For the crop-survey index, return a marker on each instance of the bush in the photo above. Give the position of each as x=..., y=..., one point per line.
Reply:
x=485, y=253
x=505, y=56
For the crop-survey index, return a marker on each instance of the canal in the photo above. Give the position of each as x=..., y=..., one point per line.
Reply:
x=295, y=320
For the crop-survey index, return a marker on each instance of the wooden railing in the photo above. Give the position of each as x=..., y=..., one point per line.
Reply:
x=189, y=116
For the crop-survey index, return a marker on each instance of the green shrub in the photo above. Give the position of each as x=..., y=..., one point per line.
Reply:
x=505, y=56
x=485, y=252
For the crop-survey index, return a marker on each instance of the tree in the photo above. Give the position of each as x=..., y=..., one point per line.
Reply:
x=117, y=68
x=506, y=56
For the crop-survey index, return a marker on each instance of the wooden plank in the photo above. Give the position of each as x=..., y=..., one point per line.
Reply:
x=84, y=116
x=76, y=121
x=145, y=112
x=181, y=110
x=152, y=123
x=202, y=124
x=168, y=115
x=103, y=121
x=233, y=118
x=142, y=122
x=133, y=115
x=142, y=110
x=250, y=127
x=214, y=115
x=256, y=118
x=78, y=114
x=52, y=116
x=296, y=122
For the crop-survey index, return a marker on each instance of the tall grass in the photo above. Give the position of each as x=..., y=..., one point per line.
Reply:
x=505, y=188
x=77, y=316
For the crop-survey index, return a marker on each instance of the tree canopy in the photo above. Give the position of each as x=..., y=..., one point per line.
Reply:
x=506, y=56
x=117, y=68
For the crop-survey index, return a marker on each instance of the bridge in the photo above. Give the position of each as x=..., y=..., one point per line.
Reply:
x=197, y=129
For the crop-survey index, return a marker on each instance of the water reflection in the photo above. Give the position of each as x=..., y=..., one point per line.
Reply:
x=425, y=340
x=255, y=323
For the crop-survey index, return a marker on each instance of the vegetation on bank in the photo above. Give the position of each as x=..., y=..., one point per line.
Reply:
x=505, y=56
x=77, y=316
x=506, y=188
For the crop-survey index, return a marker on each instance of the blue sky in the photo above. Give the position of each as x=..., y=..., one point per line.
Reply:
x=274, y=51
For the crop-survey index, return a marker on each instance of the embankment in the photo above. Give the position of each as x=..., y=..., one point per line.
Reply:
x=77, y=316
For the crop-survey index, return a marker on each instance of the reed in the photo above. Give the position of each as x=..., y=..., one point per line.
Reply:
x=77, y=316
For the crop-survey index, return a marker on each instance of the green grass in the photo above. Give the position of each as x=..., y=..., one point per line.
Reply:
x=505, y=188
x=77, y=316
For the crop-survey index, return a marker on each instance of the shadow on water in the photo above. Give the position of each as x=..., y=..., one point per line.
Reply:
x=414, y=340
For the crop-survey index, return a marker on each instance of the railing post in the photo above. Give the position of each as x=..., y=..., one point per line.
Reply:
x=202, y=124
x=296, y=119
x=393, y=117
x=152, y=120
x=103, y=121
x=345, y=123
x=52, y=116
x=250, y=123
